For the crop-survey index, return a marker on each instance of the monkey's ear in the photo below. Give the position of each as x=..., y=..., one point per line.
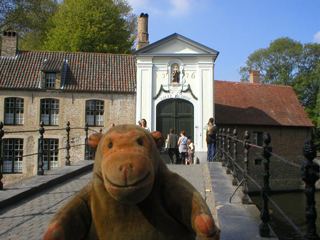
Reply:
x=94, y=139
x=158, y=138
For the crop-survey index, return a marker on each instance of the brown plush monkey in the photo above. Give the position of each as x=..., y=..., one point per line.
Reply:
x=133, y=195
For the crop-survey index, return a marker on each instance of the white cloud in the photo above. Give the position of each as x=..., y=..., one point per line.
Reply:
x=316, y=37
x=180, y=7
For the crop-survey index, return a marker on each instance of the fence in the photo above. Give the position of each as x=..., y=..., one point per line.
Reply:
x=309, y=173
x=41, y=150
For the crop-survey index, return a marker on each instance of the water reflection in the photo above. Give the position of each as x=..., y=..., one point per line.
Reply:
x=293, y=204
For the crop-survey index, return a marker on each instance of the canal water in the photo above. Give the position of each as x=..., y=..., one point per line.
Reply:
x=293, y=204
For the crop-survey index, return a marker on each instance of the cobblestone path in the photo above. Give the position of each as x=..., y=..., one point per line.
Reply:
x=29, y=218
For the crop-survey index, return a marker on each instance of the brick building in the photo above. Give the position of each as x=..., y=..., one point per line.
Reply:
x=57, y=87
x=261, y=108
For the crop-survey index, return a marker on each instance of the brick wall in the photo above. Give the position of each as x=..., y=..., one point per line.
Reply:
x=118, y=109
x=287, y=142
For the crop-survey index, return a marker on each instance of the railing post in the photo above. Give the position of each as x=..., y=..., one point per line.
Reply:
x=228, y=152
x=234, y=174
x=40, y=156
x=86, y=142
x=68, y=144
x=310, y=175
x=245, y=189
x=264, y=229
x=223, y=148
x=216, y=147
x=220, y=145
x=1, y=155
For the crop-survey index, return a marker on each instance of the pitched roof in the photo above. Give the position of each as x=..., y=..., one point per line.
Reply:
x=206, y=51
x=80, y=71
x=258, y=104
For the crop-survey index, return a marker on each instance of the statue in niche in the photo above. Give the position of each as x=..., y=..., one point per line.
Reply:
x=175, y=74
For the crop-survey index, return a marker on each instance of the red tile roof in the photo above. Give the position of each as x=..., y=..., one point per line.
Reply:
x=258, y=104
x=81, y=71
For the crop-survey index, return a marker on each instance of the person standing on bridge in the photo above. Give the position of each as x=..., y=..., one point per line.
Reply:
x=211, y=139
x=172, y=141
x=183, y=148
x=144, y=124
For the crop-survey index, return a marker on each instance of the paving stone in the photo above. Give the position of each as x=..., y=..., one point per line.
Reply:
x=29, y=218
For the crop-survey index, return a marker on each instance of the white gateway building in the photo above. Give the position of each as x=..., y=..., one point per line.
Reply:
x=175, y=85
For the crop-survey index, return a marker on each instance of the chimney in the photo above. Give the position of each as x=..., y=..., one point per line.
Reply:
x=254, y=76
x=9, y=44
x=143, y=35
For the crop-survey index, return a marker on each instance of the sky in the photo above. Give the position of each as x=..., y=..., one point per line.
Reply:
x=235, y=28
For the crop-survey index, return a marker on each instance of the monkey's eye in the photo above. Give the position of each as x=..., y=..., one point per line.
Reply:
x=110, y=144
x=139, y=141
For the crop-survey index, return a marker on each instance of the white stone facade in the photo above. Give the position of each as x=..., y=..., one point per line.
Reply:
x=155, y=83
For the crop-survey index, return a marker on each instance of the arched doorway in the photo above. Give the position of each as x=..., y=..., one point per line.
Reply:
x=177, y=114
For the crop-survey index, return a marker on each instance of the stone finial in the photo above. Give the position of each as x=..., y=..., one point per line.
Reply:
x=309, y=150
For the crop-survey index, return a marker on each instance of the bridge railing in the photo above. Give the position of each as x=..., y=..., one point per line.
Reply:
x=41, y=150
x=227, y=141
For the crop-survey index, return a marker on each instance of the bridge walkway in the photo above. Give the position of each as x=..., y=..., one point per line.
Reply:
x=27, y=207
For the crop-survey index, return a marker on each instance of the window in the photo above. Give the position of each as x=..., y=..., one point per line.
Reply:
x=258, y=138
x=50, y=153
x=49, y=111
x=13, y=111
x=258, y=161
x=95, y=112
x=12, y=155
x=50, y=80
x=90, y=153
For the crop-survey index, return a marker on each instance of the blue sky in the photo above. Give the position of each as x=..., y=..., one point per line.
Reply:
x=235, y=28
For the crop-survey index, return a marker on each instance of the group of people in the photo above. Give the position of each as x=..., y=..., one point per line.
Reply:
x=180, y=150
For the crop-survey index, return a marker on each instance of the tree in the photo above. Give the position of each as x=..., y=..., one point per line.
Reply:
x=277, y=64
x=30, y=18
x=91, y=26
x=288, y=62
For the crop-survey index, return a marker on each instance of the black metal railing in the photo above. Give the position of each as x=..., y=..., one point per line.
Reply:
x=41, y=151
x=309, y=172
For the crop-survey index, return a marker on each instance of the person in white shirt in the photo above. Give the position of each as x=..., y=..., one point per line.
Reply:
x=144, y=124
x=190, y=151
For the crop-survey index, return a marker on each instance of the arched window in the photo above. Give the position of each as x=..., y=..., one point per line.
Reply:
x=49, y=111
x=95, y=112
x=50, y=153
x=13, y=113
x=12, y=155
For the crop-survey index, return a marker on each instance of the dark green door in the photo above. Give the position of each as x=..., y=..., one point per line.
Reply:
x=176, y=114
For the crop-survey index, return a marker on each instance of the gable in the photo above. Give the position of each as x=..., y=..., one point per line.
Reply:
x=176, y=44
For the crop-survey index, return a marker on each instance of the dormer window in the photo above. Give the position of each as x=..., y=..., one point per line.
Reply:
x=52, y=73
x=50, y=80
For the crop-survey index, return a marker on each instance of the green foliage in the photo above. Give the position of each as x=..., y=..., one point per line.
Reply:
x=83, y=25
x=288, y=62
x=91, y=26
x=30, y=18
